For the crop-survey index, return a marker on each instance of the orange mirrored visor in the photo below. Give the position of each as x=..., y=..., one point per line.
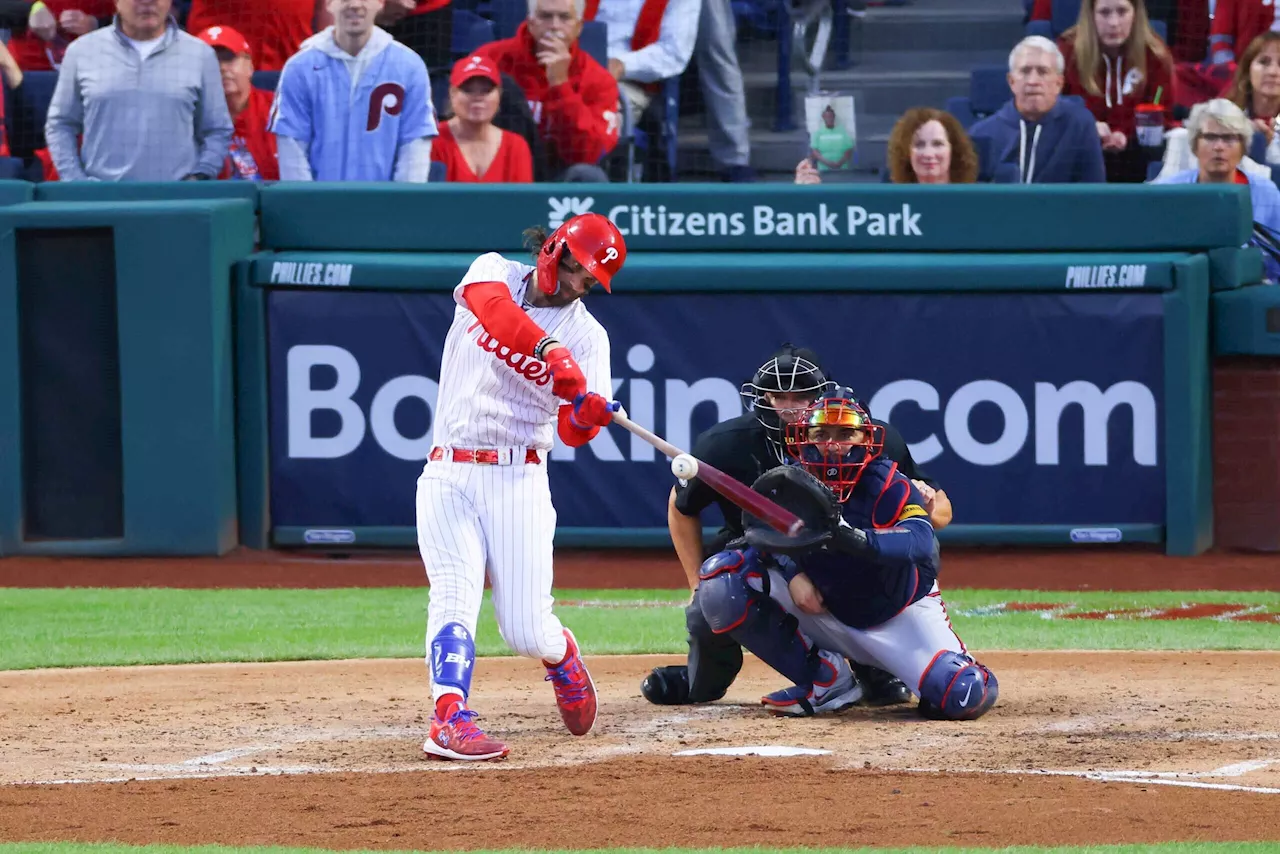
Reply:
x=836, y=416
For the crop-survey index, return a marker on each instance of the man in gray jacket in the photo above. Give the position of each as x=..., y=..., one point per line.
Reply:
x=146, y=98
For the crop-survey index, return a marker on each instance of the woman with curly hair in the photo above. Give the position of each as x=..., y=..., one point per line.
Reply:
x=1255, y=88
x=1115, y=61
x=926, y=146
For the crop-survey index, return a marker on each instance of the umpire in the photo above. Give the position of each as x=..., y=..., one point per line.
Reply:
x=744, y=448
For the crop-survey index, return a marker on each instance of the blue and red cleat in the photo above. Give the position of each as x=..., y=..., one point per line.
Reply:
x=456, y=736
x=575, y=692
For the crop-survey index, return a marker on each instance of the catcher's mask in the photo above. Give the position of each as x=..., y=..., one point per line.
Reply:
x=836, y=440
x=790, y=371
x=593, y=241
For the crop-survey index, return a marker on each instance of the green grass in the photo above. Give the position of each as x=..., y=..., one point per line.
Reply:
x=1166, y=848
x=81, y=627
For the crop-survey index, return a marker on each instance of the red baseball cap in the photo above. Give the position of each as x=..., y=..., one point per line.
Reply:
x=474, y=66
x=228, y=38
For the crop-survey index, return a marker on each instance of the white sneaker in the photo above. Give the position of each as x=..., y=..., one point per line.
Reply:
x=841, y=691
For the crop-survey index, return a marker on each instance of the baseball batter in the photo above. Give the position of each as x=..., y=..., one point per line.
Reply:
x=523, y=358
x=861, y=579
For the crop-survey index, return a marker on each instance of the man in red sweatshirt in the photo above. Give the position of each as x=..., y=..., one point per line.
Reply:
x=252, y=155
x=509, y=377
x=574, y=99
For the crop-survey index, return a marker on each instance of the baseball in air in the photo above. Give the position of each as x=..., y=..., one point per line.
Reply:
x=684, y=467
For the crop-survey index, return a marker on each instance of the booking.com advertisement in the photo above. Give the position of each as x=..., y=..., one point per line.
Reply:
x=1027, y=408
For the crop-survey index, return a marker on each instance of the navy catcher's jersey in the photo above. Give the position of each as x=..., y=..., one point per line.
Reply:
x=740, y=448
x=863, y=591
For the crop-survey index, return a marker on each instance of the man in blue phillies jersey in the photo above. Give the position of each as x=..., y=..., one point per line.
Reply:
x=353, y=104
x=859, y=580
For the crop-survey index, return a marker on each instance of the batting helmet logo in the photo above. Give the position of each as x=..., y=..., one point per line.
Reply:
x=610, y=254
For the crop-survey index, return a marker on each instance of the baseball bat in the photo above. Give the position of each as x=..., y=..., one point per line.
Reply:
x=777, y=517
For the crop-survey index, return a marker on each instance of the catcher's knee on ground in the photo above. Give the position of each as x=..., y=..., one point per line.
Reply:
x=954, y=687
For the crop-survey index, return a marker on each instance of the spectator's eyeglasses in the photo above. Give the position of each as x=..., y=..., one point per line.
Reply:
x=1226, y=138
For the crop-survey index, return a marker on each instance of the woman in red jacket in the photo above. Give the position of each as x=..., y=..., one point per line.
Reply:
x=1115, y=62
x=473, y=149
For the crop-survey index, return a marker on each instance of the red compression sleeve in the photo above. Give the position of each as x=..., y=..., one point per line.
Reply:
x=574, y=437
x=492, y=305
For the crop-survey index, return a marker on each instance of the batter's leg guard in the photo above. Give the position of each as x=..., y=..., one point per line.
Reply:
x=734, y=595
x=453, y=655
x=954, y=687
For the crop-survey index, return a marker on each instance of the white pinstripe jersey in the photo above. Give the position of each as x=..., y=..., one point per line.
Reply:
x=491, y=397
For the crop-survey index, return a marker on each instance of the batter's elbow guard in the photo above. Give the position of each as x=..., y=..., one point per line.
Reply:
x=954, y=687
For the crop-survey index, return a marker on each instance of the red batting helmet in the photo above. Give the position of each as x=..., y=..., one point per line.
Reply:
x=592, y=240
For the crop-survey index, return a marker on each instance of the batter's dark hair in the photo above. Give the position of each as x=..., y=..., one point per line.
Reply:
x=535, y=238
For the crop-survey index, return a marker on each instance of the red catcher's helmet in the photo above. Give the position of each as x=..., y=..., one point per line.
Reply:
x=593, y=241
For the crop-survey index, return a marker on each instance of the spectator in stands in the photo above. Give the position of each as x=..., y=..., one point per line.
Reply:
x=1236, y=23
x=423, y=26
x=252, y=156
x=573, y=98
x=1038, y=137
x=12, y=76
x=1115, y=62
x=1220, y=134
x=720, y=78
x=147, y=98
x=929, y=146
x=649, y=41
x=275, y=28
x=54, y=24
x=353, y=104
x=1186, y=22
x=1254, y=88
x=471, y=147
x=926, y=146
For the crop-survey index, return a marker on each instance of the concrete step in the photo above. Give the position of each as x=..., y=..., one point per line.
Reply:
x=780, y=152
x=909, y=28
x=873, y=91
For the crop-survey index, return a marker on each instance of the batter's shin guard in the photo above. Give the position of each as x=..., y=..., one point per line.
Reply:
x=453, y=655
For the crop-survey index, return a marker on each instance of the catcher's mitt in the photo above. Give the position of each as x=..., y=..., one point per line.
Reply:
x=804, y=495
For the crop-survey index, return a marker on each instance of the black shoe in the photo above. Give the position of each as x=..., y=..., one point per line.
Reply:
x=880, y=688
x=667, y=686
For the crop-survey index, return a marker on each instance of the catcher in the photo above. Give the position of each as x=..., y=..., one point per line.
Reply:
x=860, y=579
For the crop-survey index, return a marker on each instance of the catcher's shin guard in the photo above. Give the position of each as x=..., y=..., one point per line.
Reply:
x=714, y=660
x=954, y=687
x=734, y=596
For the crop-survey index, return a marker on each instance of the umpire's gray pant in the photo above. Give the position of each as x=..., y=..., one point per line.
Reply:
x=717, y=55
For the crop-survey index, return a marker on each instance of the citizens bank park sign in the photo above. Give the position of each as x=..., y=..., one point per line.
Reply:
x=897, y=220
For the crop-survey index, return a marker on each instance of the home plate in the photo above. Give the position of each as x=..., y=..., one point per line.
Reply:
x=765, y=750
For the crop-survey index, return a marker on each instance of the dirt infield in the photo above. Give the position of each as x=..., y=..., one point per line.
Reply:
x=1082, y=748
x=1041, y=569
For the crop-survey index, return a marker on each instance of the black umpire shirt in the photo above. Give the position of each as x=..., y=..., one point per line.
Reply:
x=740, y=448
